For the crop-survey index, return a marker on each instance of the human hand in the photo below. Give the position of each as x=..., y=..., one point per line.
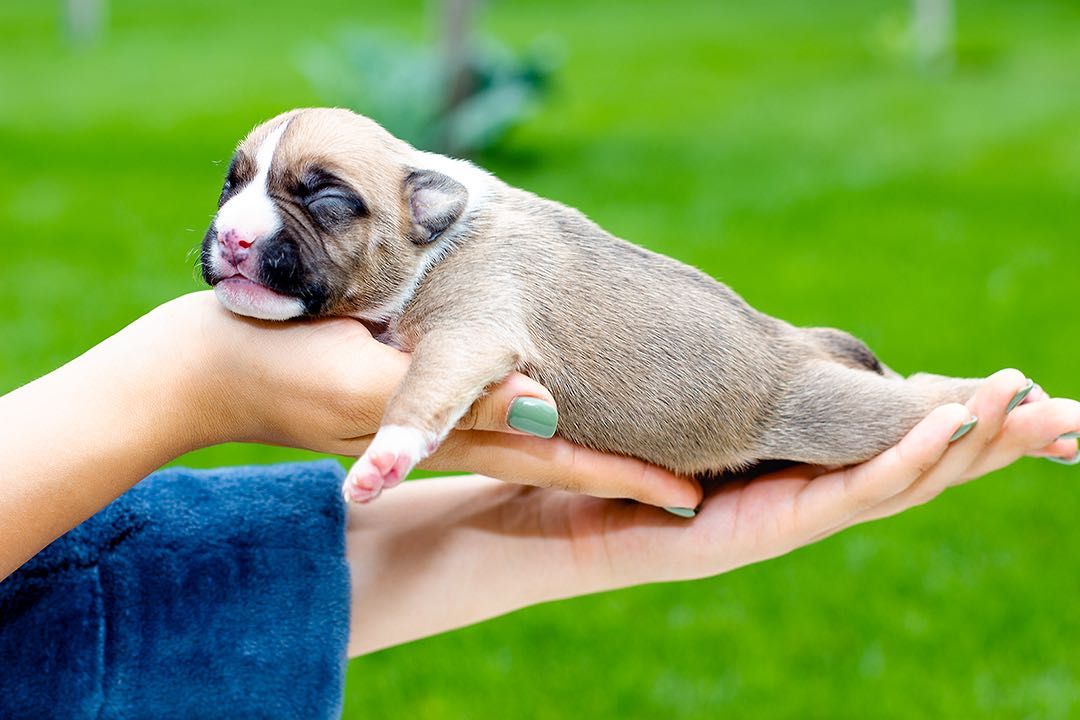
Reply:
x=521, y=546
x=748, y=521
x=323, y=385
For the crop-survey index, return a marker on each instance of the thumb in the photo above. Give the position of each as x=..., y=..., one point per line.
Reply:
x=517, y=405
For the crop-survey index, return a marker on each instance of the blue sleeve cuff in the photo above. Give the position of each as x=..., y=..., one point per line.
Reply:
x=198, y=593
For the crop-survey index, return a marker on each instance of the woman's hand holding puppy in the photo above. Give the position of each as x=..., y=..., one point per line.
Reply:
x=323, y=385
x=520, y=546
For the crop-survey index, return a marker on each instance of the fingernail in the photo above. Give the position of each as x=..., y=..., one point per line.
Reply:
x=1069, y=436
x=682, y=512
x=1020, y=395
x=1074, y=460
x=533, y=416
x=964, y=429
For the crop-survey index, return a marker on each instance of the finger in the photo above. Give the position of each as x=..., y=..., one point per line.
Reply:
x=991, y=406
x=1032, y=429
x=1036, y=395
x=1066, y=452
x=829, y=502
x=557, y=463
x=518, y=404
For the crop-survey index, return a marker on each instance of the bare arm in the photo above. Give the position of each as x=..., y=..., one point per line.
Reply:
x=74, y=440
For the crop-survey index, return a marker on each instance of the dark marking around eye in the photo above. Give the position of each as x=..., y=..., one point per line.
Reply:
x=241, y=171
x=327, y=200
x=315, y=179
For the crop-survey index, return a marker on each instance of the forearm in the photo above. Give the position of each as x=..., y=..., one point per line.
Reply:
x=435, y=555
x=72, y=441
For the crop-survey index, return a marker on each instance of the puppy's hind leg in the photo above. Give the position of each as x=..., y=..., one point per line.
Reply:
x=950, y=388
x=449, y=371
x=832, y=414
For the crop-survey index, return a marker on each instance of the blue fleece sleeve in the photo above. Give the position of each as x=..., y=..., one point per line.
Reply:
x=197, y=594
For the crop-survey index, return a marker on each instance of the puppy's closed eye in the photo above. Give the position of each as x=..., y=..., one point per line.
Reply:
x=328, y=201
x=333, y=206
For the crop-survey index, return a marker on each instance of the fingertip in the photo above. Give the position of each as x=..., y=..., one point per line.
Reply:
x=665, y=489
x=1038, y=394
x=930, y=439
x=691, y=489
x=960, y=419
x=1061, y=448
x=520, y=385
x=948, y=419
x=951, y=410
x=1009, y=376
x=518, y=405
x=533, y=416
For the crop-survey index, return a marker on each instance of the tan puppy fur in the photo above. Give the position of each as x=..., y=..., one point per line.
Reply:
x=325, y=213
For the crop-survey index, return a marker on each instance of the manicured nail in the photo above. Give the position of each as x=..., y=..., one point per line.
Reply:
x=682, y=512
x=1074, y=460
x=964, y=429
x=1069, y=436
x=1020, y=395
x=533, y=416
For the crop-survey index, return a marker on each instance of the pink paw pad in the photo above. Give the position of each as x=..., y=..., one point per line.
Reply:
x=392, y=454
x=364, y=482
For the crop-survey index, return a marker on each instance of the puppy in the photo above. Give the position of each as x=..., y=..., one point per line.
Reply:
x=325, y=213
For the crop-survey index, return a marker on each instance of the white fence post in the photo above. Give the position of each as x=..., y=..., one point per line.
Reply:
x=84, y=20
x=933, y=27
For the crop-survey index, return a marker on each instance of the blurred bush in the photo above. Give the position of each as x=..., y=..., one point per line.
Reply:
x=410, y=88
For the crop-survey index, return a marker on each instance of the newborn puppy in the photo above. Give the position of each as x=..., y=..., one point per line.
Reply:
x=325, y=213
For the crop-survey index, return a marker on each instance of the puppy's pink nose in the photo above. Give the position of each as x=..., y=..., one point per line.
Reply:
x=234, y=246
x=232, y=238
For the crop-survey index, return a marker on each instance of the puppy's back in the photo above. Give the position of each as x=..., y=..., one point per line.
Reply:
x=688, y=388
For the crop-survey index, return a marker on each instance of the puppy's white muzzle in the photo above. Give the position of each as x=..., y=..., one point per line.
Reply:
x=247, y=297
x=241, y=222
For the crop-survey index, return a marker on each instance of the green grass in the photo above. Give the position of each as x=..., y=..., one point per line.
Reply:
x=789, y=149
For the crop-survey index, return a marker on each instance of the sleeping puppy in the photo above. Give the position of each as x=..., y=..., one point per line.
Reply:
x=325, y=213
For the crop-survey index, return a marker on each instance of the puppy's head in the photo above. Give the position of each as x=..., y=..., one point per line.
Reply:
x=325, y=213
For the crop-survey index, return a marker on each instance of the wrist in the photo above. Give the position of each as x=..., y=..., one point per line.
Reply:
x=91, y=429
x=174, y=373
x=482, y=547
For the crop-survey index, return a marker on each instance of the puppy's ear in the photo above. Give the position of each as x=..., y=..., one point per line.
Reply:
x=435, y=202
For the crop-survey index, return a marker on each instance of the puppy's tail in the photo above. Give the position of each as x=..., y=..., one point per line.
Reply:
x=847, y=350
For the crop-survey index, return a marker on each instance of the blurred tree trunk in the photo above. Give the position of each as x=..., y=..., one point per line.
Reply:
x=456, y=37
x=84, y=20
x=933, y=26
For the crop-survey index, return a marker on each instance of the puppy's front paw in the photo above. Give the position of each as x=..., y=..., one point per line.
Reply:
x=392, y=454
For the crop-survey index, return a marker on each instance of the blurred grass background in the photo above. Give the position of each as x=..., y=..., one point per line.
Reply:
x=792, y=150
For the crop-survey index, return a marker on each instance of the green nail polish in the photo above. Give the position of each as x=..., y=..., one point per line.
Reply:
x=1069, y=436
x=1074, y=460
x=964, y=429
x=1020, y=395
x=533, y=416
x=682, y=512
